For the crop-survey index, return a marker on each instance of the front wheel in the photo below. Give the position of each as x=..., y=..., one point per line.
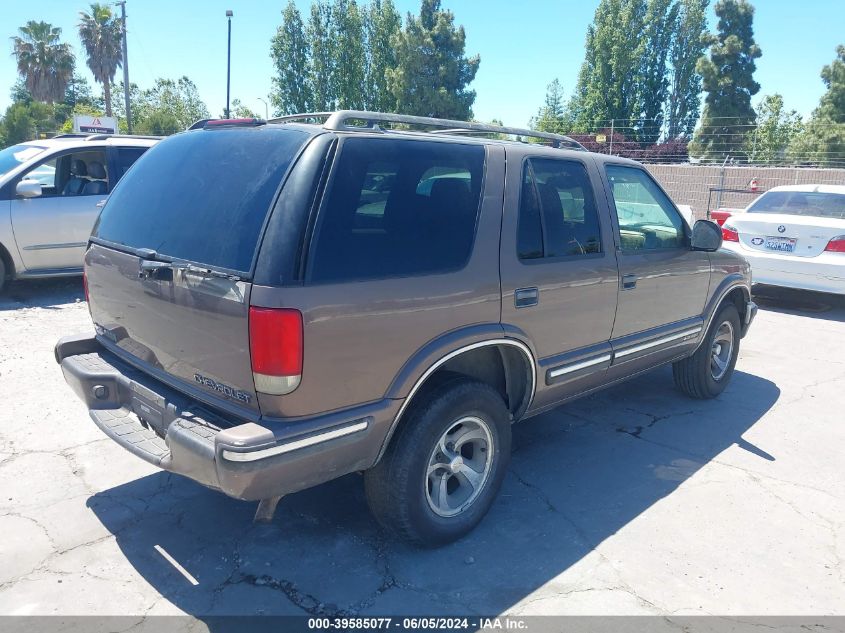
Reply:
x=442, y=471
x=706, y=373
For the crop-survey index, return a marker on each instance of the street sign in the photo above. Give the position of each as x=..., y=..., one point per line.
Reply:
x=85, y=124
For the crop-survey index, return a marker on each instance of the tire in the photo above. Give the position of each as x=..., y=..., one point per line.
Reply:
x=419, y=489
x=702, y=375
x=2, y=274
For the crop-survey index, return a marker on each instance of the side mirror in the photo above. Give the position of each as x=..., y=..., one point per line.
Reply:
x=28, y=189
x=706, y=236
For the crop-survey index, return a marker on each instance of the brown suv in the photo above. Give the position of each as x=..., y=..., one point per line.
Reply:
x=279, y=304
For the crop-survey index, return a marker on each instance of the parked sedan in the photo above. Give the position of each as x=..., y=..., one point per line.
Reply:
x=793, y=237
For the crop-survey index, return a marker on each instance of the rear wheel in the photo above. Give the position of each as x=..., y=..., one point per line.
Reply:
x=2, y=275
x=706, y=373
x=443, y=470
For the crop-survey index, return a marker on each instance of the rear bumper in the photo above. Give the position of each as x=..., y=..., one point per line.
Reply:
x=245, y=460
x=823, y=273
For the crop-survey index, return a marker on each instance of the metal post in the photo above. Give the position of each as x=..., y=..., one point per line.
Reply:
x=229, y=64
x=721, y=182
x=122, y=4
x=612, y=122
x=266, y=109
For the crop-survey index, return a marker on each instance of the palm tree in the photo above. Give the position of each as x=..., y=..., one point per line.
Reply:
x=45, y=64
x=101, y=34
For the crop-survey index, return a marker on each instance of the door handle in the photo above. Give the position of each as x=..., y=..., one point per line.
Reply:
x=526, y=297
x=629, y=282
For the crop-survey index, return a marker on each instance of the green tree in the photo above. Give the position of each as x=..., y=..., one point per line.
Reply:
x=27, y=121
x=607, y=82
x=320, y=33
x=348, y=51
x=290, y=51
x=776, y=129
x=687, y=47
x=169, y=106
x=432, y=75
x=101, y=33
x=660, y=21
x=552, y=117
x=44, y=63
x=728, y=79
x=823, y=140
x=382, y=26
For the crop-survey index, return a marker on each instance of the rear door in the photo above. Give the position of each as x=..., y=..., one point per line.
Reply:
x=559, y=275
x=201, y=199
x=663, y=283
x=52, y=230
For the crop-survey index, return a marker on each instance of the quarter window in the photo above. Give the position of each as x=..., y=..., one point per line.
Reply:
x=557, y=211
x=398, y=208
x=647, y=218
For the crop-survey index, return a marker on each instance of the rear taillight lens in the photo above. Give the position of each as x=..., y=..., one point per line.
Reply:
x=719, y=216
x=836, y=245
x=729, y=233
x=275, y=346
x=85, y=283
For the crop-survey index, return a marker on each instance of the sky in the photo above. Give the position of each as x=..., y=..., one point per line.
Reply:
x=523, y=46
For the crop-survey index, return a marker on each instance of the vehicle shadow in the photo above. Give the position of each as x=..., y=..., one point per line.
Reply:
x=41, y=293
x=818, y=305
x=578, y=475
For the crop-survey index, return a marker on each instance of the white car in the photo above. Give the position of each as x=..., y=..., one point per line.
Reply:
x=793, y=237
x=51, y=191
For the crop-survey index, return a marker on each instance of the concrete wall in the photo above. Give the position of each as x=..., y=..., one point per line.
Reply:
x=690, y=184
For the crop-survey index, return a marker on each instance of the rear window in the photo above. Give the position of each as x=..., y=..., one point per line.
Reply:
x=398, y=208
x=813, y=203
x=202, y=196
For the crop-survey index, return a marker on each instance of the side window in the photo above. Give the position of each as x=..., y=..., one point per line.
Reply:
x=77, y=174
x=647, y=218
x=45, y=173
x=125, y=157
x=557, y=211
x=397, y=208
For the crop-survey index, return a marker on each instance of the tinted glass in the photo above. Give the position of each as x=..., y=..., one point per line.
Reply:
x=647, y=218
x=126, y=156
x=557, y=212
x=202, y=196
x=16, y=155
x=813, y=203
x=398, y=208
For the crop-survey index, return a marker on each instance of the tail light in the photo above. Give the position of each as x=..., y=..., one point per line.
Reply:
x=836, y=245
x=729, y=233
x=275, y=346
x=719, y=216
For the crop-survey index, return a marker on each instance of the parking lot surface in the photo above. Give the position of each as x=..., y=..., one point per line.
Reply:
x=633, y=501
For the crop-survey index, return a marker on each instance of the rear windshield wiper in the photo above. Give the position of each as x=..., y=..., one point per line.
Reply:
x=151, y=268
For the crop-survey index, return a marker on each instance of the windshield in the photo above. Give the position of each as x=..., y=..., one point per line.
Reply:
x=202, y=196
x=16, y=155
x=812, y=203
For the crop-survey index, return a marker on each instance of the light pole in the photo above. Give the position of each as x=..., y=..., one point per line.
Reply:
x=229, y=63
x=266, y=109
x=122, y=5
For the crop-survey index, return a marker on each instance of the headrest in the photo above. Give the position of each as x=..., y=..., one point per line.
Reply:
x=77, y=167
x=96, y=170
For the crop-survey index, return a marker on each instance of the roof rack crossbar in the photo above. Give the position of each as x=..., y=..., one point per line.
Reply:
x=339, y=121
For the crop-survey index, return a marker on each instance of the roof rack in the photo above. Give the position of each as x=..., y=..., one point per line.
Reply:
x=95, y=136
x=339, y=121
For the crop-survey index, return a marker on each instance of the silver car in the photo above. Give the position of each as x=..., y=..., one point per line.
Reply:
x=51, y=192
